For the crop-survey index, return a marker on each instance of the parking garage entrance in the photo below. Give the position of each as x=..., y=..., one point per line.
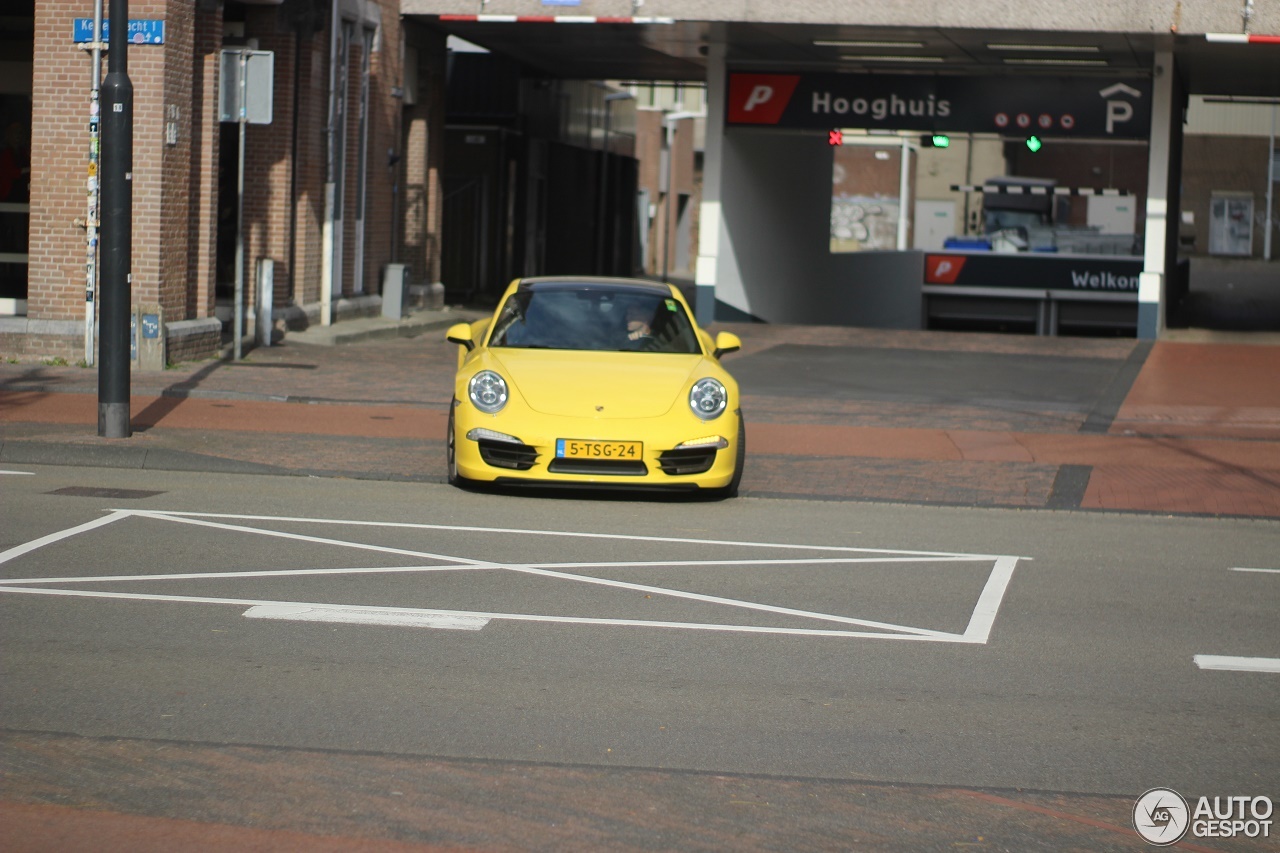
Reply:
x=953, y=202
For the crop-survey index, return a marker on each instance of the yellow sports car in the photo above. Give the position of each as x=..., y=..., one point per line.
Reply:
x=594, y=382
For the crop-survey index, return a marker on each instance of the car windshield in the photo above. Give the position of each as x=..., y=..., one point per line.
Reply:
x=584, y=318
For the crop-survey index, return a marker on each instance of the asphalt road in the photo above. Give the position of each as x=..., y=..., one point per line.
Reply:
x=979, y=648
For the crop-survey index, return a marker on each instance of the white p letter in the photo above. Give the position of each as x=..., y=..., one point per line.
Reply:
x=1118, y=111
x=759, y=95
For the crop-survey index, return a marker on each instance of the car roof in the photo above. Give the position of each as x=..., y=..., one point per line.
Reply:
x=600, y=283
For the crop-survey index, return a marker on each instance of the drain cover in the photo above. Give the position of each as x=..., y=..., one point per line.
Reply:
x=95, y=492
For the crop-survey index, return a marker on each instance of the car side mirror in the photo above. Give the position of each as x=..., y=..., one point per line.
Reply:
x=460, y=333
x=727, y=342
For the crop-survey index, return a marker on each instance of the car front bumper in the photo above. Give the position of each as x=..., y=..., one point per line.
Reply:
x=532, y=460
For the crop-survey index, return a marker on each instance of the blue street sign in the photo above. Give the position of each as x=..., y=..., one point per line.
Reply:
x=140, y=31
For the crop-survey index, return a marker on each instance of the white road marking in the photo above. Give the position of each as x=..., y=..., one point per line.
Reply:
x=268, y=573
x=28, y=547
x=978, y=630
x=365, y=616
x=624, y=536
x=984, y=613
x=20, y=473
x=782, y=562
x=656, y=590
x=514, y=617
x=1238, y=664
x=187, y=518
x=732, y=602
x=1241, y=664
x=375, y=570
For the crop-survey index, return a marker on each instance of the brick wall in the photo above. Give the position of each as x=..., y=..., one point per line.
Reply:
x=59, y=161
x=308, y=213
x=422, y=151
x=385, y=74
x=285, y=165
x=162, y=174
x=268, y=181
x=199, y=125
x=175, y=177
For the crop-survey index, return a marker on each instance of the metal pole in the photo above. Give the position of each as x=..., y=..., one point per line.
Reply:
x=238, y=332
x=904, y=187
x=327, y=271
x=668, y=138
x=1271, y=183
x=91, y=212
x=968, y=180
x=117, y=225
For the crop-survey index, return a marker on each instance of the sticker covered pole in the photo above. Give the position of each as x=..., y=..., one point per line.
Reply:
x=117, y=227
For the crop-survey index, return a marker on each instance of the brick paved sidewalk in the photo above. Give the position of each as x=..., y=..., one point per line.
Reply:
x=171, y=795
x=1175, y=427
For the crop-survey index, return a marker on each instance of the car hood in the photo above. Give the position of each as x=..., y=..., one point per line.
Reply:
x=597, y=384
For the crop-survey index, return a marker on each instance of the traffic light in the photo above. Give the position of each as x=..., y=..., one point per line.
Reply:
x=835, y=137
x=935, y=140
x=1034, y=144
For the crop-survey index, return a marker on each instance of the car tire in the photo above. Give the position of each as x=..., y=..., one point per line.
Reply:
x=451, y=456
x=731, y=490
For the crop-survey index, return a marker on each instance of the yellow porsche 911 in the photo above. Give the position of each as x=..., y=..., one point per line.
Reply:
x=594, y=382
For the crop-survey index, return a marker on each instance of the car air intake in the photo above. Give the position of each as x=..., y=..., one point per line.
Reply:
x=506, y=454
x=601, y=467
x=687, y=460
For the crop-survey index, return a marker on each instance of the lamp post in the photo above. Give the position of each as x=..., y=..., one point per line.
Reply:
x=117, y=227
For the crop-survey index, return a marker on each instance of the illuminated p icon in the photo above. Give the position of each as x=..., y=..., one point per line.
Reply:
x=1117, y=113
x=942, y=269
x=761, y=94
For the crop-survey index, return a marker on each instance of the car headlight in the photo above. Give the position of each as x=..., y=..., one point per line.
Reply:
x=708, y=398
x=488, y=392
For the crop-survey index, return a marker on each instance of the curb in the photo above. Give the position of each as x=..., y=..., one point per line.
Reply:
x=137, y=458
x=373, y=329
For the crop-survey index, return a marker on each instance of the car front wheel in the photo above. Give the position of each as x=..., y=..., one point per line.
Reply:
x=451, y=455
x=731, y=490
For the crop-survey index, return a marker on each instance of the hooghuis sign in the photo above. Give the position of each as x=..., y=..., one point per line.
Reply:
x=1034, y=271
x=1081, y=107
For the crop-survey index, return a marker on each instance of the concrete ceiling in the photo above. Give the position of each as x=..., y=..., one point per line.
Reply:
x=678, y=51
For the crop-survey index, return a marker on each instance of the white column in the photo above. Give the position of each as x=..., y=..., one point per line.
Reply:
x=710, y=225
x=1152, y=283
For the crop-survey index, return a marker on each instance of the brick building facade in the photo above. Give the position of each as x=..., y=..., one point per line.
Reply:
x=185, y=163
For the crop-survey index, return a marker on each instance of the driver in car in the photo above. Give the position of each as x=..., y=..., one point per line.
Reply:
x=638, y=329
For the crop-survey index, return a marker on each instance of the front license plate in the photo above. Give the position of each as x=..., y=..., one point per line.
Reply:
x=577, y=448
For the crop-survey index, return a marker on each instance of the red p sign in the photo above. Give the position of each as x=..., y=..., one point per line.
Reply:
x=759, y=98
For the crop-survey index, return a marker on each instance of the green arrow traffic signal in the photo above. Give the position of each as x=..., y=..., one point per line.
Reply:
x=1034, y=144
